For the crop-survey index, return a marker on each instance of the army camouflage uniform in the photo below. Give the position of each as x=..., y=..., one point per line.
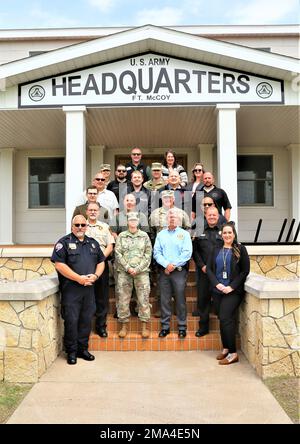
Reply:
x=152, y=186
x=133, y=250
x=159, y=220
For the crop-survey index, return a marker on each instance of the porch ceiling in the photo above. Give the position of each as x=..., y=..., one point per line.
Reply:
x=150, y=127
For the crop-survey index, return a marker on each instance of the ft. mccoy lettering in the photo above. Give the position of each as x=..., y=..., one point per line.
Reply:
x=163, y=80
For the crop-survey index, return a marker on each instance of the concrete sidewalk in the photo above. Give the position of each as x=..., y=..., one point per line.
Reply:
x=147, y=388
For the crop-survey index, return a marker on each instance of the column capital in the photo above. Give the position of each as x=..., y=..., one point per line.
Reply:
x=8, y=150
x=292, y=146
x=74, y=109
x=227, y=106
x=97, y=147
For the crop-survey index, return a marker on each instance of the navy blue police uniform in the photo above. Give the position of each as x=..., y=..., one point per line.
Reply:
x=77, y=301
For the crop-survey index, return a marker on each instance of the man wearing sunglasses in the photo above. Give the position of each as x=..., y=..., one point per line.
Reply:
x=79, y=262
x=137, y=165
x=120, y=186
x=106, y=198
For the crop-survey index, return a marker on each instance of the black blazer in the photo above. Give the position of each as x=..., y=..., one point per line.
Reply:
x=239, y=270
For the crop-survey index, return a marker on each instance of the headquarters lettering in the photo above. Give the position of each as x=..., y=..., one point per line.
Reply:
x=145, y=82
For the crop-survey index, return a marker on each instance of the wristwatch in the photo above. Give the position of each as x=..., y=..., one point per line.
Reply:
x=95, y=274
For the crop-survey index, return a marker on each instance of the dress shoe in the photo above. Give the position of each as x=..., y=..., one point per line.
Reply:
x=230, y=359
x=71, y=358
x=195, y=313
x=182, y=334
x=221, y=356
x=163, y=333
x=201, y=332
x=102, y=332
x=85, y=355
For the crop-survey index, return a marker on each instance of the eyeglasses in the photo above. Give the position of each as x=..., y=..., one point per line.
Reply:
x=79, y=225
x=198, y=170
x=121, y=171
x=207, y=204
x=97, y=178
x=136, y=154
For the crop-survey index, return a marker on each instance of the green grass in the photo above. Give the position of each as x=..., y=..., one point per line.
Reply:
x=10, y=397
x=286, y=390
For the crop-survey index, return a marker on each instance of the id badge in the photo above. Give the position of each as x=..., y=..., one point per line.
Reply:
x=224, y=275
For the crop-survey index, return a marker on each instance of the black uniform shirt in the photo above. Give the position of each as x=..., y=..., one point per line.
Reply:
x=81, y=257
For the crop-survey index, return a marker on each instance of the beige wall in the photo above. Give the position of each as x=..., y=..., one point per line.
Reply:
x=33, y=226
x=285, y=45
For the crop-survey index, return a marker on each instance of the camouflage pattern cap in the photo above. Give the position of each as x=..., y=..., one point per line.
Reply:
x=167, y=193
x=105, y=166
x=156, y=166
x=132, y=215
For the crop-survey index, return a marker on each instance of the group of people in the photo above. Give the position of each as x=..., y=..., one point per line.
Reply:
x=144, y=226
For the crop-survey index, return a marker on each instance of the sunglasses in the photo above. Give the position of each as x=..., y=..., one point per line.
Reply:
x=93, y=194
x=97, y=178
x=207, y=204
x=79, y=225
x=197, y=170
x=121, y=171
x=136, y=154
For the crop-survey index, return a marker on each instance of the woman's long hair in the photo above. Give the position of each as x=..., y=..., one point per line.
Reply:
x=195, y=164
x=175, y=164
x=235, y=245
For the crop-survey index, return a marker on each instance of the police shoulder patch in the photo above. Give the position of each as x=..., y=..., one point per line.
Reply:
x=180, y=236
x=58, y=246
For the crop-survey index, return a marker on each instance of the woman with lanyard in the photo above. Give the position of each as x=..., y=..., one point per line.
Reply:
x=227, y=269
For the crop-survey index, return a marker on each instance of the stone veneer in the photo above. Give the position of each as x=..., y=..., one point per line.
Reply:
x=276, y=267
x=270, y=326
x=20, y=269
x=30, y=329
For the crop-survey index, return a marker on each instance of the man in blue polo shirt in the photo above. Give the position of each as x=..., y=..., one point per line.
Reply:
x=172, y=252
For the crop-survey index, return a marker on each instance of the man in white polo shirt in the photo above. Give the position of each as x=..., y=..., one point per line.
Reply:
x=106, y=198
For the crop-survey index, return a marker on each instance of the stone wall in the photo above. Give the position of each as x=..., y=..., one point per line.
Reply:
x=269, y=329
x=30, y=336
x=20, y=269
x=276, y=267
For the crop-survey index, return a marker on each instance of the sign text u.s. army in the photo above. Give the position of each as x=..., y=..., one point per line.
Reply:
x=147, y=79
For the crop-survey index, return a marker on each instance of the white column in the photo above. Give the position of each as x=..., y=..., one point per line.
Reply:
x=75, y=158
x=6, y=196
x=206, y=155
x=97, y=158
x=294, y=150
x=227, y=153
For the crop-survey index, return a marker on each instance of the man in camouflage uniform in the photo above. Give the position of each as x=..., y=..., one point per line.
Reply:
x=133, y=256
x=158, y=219
x=157, y=182
x=101, y=232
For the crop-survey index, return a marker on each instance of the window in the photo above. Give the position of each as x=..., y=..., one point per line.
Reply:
x=47, y=182
x=255, y=180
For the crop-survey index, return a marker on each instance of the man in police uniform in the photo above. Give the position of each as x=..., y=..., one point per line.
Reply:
x=172, y=251
x=79, y=262
x=203, y=245
x=101, y=232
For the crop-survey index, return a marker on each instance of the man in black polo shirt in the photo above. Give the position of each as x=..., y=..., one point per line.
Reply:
x=137, y=165
x=217, y=194
x=120, y=186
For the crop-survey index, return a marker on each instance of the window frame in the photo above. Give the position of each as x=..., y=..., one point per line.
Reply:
x=259, y=205
x=44, y=207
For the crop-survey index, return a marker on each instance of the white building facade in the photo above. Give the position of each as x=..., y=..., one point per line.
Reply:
x=71, y=99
